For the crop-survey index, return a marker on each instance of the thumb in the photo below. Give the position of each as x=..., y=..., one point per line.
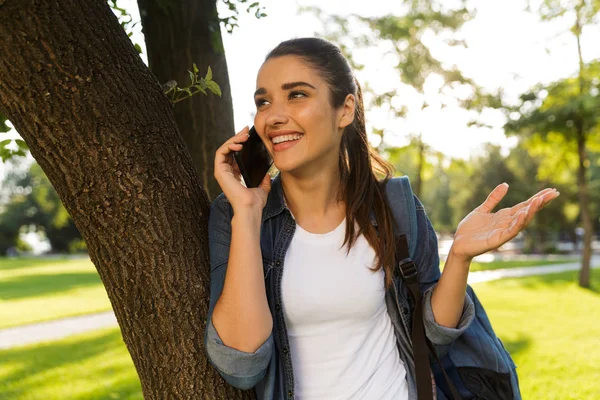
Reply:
x=494, y=198
x=265, y=184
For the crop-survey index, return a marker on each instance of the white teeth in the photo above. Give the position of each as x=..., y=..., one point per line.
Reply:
x=285, y=138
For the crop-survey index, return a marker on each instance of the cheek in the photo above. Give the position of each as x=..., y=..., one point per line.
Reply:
x=315, y=118
x=259, y=123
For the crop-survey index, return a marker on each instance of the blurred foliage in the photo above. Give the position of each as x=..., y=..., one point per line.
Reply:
x=230, y=22
x=34, y=206
x=553, y=111
x=454, y=187
x=404, y=36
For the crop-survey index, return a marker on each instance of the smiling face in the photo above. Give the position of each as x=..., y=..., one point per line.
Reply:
x=295, y=118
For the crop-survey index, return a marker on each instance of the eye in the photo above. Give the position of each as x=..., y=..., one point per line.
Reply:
x=260, y=102
x=296, y=94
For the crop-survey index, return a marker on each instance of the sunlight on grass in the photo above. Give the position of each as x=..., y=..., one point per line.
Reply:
x=548, y=323
x=486, y=266
x=33, y=290
x=551, y=327
x=94, y=366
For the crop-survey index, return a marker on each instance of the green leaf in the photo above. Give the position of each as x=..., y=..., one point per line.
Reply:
x=3, y=143
x=3, y=126
x=200, y=88
x=192, y=76
x=208, y=76
x=22, y=144
x=138, y=48
x=195, y=68
x=213, y=87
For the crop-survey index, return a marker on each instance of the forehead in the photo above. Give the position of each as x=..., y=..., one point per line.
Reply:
x=279, y=70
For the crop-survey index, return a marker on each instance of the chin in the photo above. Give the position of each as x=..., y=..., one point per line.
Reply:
x=287, y=165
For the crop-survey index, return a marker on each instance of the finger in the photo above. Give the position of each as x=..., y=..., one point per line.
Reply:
x=241, y=136
x=531, y=210
x=514, y=228
x=223, y=153
x=494, y=198
x=518, y=207
x=235, y=147
x=236, y=170
x=548, y=197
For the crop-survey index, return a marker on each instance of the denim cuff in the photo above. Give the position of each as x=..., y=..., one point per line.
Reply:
x=442, y=335
x=235, y=365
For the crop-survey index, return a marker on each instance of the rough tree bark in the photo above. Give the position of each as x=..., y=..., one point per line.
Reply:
x=100, y=127
x=177, y=34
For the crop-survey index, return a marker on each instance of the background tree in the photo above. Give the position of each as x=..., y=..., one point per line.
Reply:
x=404, y=37
x=101, y=128
x=571, y=109
x=179, y=34
x=564, y=115
x=412, y=160
x=34, y=206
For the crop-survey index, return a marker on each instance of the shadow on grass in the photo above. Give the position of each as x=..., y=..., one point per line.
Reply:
x=43, y=368
x=560, y=280
x=43, y=284
x=518, y=345
x=10, y=263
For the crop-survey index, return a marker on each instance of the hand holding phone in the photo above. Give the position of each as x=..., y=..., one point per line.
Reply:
x=254, y=160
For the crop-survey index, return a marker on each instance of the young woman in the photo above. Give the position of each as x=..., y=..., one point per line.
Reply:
x=323, y=327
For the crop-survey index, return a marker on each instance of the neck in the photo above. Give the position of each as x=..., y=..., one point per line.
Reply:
x=313, y=200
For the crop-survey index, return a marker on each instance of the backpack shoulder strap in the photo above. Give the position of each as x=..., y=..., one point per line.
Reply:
x=402, y=202
x=400, y=197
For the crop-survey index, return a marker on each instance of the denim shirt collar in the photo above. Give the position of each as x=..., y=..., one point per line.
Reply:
x=276, y=202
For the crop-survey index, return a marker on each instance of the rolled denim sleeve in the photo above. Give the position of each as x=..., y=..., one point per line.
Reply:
x=442, y=335
x=240, y=369
x=427, y=256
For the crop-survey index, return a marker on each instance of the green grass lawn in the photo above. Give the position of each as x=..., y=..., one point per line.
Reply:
x=484, y=266
x=33, y=290
x=37, y=289
x=549, y=324
x=83, y=367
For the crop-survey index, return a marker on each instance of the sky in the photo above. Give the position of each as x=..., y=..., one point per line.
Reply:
x=508, y=48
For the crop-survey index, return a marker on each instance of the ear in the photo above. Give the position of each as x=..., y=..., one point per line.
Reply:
x=348, y=111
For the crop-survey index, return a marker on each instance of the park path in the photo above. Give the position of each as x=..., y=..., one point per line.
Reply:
x=57, y=329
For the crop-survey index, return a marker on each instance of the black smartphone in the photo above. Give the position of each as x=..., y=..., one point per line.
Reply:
x=253, y=160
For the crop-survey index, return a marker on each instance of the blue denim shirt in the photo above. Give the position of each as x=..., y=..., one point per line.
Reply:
x=269, y=369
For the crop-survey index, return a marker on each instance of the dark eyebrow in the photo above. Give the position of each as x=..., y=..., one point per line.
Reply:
x=285, y=86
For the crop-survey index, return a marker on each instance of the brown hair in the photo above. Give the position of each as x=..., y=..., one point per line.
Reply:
x=359, y=162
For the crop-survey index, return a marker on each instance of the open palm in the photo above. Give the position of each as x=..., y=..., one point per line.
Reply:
x=482, y=230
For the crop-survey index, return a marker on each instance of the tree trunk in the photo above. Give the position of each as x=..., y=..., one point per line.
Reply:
x=99, y=125
x=418, y=187
x=177, y=34
x=586, y=218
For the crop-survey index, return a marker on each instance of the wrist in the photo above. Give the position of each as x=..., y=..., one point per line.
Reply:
x=459, y=256
x=247, y=215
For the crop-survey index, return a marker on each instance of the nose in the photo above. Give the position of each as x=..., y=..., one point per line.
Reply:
x=277, y=115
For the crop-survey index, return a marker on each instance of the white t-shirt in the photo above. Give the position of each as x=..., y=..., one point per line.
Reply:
x=342, y=341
